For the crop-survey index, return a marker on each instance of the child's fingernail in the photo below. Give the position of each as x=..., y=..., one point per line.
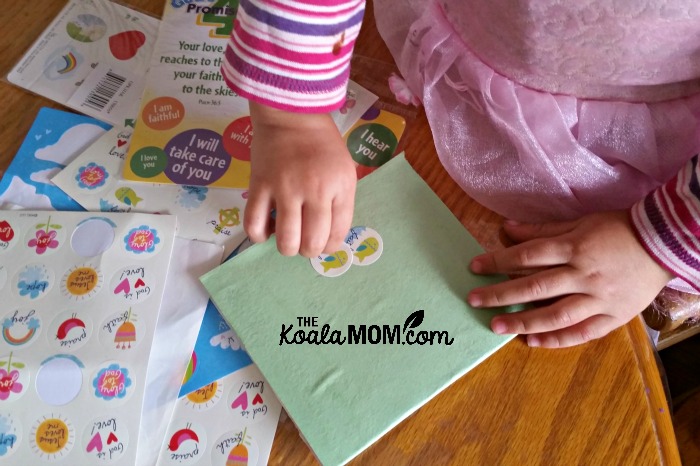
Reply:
x=499, y=327
x=474, y=300
x=512, y=222
x=476, y=266
x=533, y=341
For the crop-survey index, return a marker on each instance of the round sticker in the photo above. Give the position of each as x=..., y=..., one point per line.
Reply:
x=112, y=382
x=14, y=378
x=162, y=113
x=70, y=331
x=10, y=434
x=237, y=138
x=91, y=177
x=134, y=283
x=121, y=331
x=191, y=198
x=205, y=397
x=249, y=401
x=59, y=379
x=333, y=265
x=93, y=236
x=53, y=437
x=34, y=281
x=81, y=283
x=142, y=241
x=106, y=438
x=3, y=276
x=235, y=448
x=196, y=157
x=185, y=443
x=20, y=327
x=86, y=28
x=46, y=237
x=366, y=245
x=148, y=162
x=372, y=144
x=8, y=235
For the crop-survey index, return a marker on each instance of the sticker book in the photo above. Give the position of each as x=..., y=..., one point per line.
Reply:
x=395, y=296
x=92, y=58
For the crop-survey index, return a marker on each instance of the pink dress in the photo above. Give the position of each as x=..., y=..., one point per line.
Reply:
x=540, y=109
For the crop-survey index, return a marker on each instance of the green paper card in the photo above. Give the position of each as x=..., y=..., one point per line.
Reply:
x=389, y=335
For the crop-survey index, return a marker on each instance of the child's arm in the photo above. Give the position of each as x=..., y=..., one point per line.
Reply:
x=291, y=60
x=601, y=270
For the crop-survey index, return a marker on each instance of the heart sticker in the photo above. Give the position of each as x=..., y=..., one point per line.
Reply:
x=126, y=44
x=257, y=400
x=241, y=400
x=95, y=443
x=112, y=438
x=120, y=142
x=123, y=287
x=139, y=283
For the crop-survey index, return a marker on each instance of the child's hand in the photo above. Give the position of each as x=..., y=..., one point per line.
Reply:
x=301, y=167
x=596, y=270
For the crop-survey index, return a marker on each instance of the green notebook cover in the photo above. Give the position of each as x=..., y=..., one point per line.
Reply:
x=343, y=397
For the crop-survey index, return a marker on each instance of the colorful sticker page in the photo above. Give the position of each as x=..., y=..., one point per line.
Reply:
x=229, y=422
x=80, y=297
x=192, y=129
x=351, y=355
x=92, y=58
x=54, y=140
x=94, y=180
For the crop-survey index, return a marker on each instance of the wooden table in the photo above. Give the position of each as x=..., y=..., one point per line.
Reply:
x=600, y=403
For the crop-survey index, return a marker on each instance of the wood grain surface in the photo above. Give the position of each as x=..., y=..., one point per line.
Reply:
x=601, y=403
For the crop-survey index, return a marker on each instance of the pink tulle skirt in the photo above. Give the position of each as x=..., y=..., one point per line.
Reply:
x=526, y=154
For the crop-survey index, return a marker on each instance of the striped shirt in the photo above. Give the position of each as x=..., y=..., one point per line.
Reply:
x=293, y=55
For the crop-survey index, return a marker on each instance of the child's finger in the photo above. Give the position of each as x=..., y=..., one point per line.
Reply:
x=341, y=221
x=524, y=256
x=288, y=226
x=590, y=329
x=256, y=217
x=549, y=283
x=520, y=232
x=316, y=226
x=564, y=313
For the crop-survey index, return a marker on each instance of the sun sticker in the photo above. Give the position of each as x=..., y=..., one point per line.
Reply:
x=53, y=437
x=106, y=438
x=10, y=434
x=235, y=448
x=112, y=382
x=141, y=240
x=34, y=281
x=186, y=443
x=81, y=282
x=20, y=327
x=205, y=397
x=14, y=378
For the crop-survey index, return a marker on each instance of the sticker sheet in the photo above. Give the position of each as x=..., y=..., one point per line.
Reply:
x=92, y=58
x=239, y=434
x=80, y=296
x=95, y=181
x=54, y=140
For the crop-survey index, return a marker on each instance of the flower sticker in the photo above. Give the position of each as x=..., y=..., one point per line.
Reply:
x=112, y=382
x=45, y=237
x=91, y=176
x=141, y=240
x=11, y=378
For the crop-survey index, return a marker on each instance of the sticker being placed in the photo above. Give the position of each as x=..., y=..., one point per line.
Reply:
x=20, y=327
x=106, y=438
x=333, y=265
x=14, y=378
x=59, y=379
x=185, y=443
x=52, y=437
x=366, y=245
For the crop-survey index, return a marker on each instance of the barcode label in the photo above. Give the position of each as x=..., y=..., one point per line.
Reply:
x=105, y=90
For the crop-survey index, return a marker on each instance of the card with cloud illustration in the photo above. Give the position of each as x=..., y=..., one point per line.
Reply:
x=81, y=294
x=54, y=140
x=92, y=58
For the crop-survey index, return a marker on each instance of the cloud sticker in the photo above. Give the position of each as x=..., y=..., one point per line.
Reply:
x=71, y=143
x=225, y=340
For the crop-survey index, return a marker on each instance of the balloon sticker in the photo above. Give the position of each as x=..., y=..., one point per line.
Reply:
x=59, y=379
x=106, y=438
x=69, y=331
x=333, y=265
x=53, y=437
x=366, y=245
x=34, y=281
x=121, y=331
x=81, y=283
x=205, y=397
x=134, y=284
x=235, y=448
x=46, y=237
x=10, y=434
x=8, y=235
x=20, y=327
x=112, y=382
x=249, y=400
x=141, y=240
x=185, y=442
x=14, y=378
x=93, y=236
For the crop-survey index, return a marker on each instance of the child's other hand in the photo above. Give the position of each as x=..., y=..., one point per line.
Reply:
x=301, y=167
x=594, y=270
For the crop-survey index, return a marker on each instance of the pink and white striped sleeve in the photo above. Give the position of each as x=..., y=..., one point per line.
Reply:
x=668, y=223
x=293, y=55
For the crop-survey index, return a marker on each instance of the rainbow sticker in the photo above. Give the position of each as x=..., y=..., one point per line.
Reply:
x=70, y=63
x=20, y=326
